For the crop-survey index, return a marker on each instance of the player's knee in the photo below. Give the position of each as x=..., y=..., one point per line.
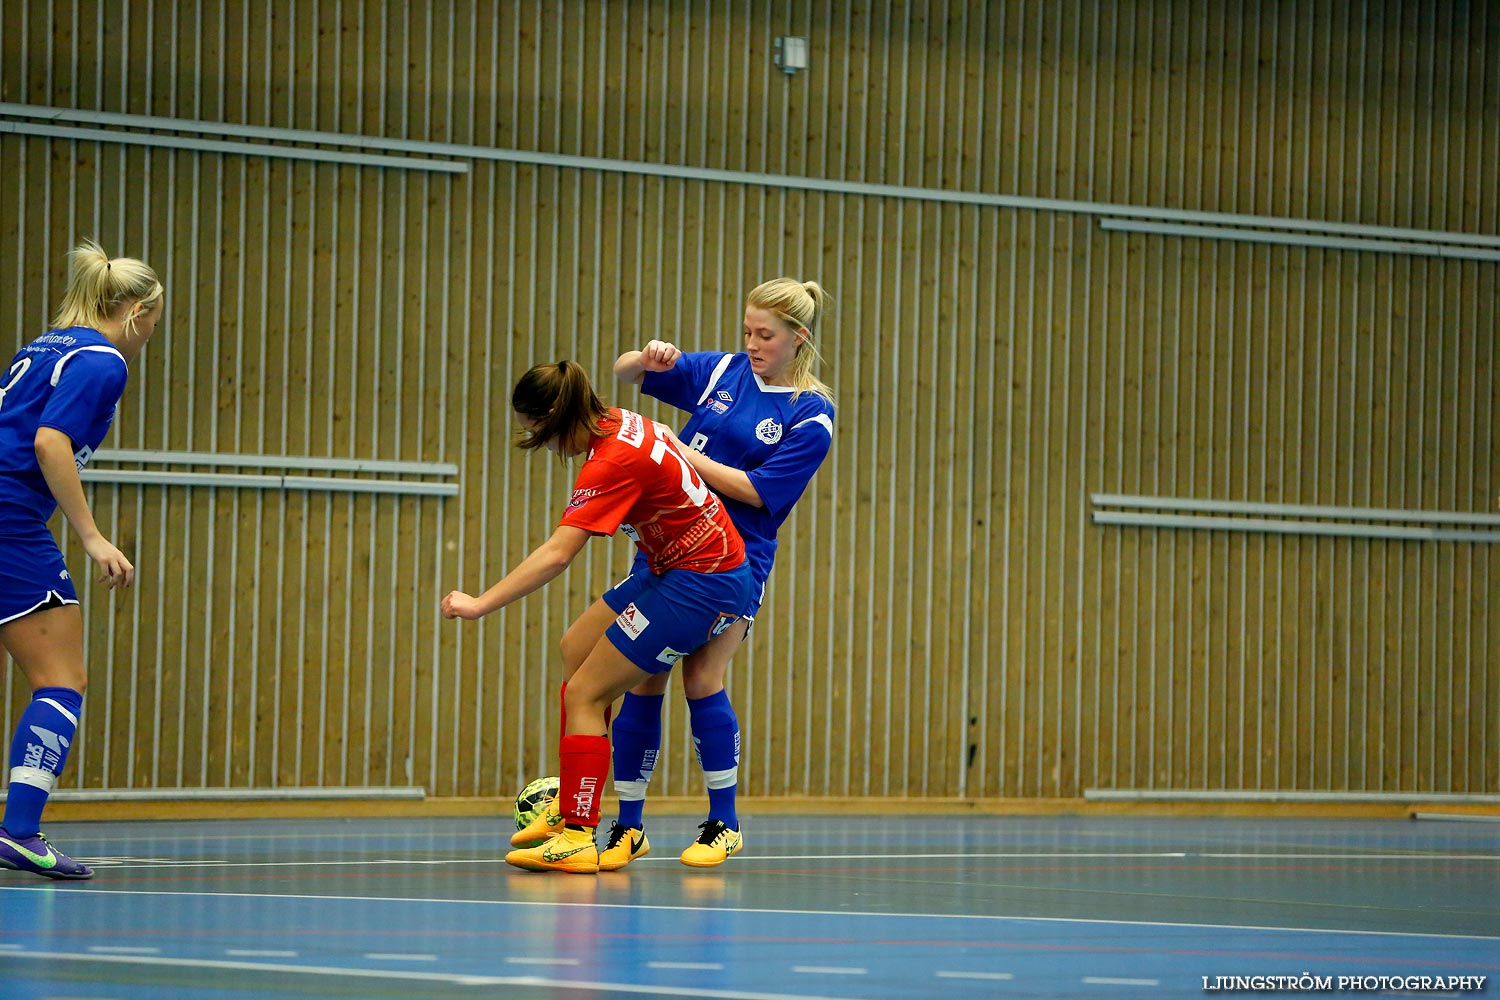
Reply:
x=581, y=698
x=703, y=674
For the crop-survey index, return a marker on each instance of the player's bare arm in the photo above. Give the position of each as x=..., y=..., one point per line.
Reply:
x=534, y=572
x=54, y=455
x=657, y=356
x=725, y=480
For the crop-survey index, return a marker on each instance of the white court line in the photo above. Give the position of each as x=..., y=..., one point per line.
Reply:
x=424, y=977
x=259, y=953
x=94, y=892
x=1110, y=981
x=1357, y=857
x=528, y=960
x=396, y=956
x=950, y=974
x=333, y=863
x=704, y=966
x=106, y=949
x=830, y=970
x=12, y=947
x=744, y=860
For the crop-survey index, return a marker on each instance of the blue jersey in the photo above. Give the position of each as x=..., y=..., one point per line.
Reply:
x=739, y=420
x=69, y=380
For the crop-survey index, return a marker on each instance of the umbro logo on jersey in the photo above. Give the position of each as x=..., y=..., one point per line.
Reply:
x=768, y=430
x=724, y=395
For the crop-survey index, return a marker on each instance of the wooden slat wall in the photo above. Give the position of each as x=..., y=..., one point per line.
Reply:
x=945, y=620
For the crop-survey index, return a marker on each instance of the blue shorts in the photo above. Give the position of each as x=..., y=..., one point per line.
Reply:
x=33, y=575
x=748, y=610
x=664, y=618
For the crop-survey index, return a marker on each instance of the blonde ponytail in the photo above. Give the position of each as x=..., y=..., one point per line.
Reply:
x=99, y=286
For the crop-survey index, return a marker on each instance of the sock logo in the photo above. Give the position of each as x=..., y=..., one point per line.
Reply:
x=48, y=755
x=583, y=799
x=55, y=742
x=648, y=764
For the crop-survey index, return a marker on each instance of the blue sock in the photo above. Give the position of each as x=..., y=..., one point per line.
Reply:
x=716, y=736
x=37, y=756
x=637, y=739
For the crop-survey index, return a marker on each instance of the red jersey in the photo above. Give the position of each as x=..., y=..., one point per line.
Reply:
x=635, y=479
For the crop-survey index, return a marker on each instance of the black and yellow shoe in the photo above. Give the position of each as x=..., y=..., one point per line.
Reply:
x=715, y=845
x=569, y=851
x=625, y=845
x=548, y=824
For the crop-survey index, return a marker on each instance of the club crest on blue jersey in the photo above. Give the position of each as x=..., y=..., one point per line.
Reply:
x=768, y=430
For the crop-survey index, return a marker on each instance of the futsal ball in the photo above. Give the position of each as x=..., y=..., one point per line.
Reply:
x=533, y=797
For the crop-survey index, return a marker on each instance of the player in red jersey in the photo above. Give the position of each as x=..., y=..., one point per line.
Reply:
x=634, y=479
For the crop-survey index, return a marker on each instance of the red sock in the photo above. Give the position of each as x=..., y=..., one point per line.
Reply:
x=585, y=766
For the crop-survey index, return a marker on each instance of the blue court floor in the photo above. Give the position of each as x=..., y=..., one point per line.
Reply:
x=835, y=907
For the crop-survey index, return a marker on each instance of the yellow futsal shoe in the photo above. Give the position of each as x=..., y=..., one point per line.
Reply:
x=625, y=846
x=548, y=824
x=569, y=851
x=714, y=845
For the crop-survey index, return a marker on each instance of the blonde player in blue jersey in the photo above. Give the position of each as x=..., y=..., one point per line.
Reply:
x=57, y=401
x=761, y=424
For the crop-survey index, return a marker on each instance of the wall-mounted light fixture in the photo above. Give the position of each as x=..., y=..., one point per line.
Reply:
x=791, y=54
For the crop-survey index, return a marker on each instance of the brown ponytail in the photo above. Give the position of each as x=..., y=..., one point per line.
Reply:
x=561, y=399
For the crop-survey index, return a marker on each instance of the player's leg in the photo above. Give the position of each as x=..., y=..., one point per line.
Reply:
x=716, y=738
x=47, y=646
x=635, y=741
x=577, y=643
x=602, y=677
x=670, y=616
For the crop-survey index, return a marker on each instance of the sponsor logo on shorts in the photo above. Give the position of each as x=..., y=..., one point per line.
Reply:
x=632, y=622
x=631, y=533
x=64, y=575
x=669, y=656
x=722, y=622
x=768, y=430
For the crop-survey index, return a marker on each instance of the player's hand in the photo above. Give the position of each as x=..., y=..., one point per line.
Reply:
x=460, y=605
x=114, y=568
x=658, y=356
